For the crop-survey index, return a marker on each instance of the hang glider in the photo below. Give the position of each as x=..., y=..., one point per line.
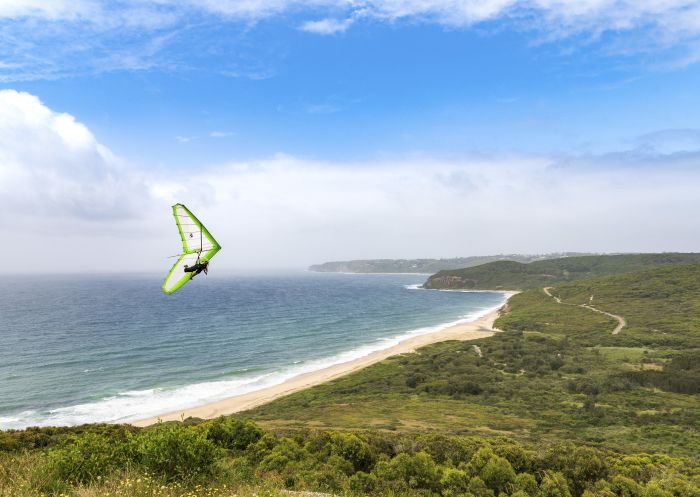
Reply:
x=198, y=247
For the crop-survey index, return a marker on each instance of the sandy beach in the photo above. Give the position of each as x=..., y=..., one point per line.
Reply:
x=479, y=328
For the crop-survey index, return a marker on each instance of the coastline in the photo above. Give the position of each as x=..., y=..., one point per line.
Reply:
x=478, y=328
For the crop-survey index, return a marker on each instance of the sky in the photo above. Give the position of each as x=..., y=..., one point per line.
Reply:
x=302, y=131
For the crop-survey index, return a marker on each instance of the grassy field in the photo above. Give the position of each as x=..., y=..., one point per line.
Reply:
x=511, y=275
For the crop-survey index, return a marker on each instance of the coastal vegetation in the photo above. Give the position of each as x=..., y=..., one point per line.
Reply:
x=513, y=275
x=228, y=456
x=556, y=373
x=555, y=405
x=424, y=265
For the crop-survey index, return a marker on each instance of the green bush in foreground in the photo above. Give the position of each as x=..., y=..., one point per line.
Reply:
x=82, y=459
x=175, y=451
x=178, y=460
x=231, y=433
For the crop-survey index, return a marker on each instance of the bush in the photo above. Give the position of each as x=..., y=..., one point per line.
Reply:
x=626, y=487
x=554, y=484
x=409, y=472
x=232, y=434
x=497, y=474
x=524, y=482
x=454, y=482
x=478, y=488
x=285, y=452
x=362, y=483
x=479, y=460
x=175, y=451
x=580, y=465
x=351, y=448
x=83, y=459
x=257, y=451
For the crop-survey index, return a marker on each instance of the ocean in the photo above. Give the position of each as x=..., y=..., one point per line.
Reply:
x=83, y=349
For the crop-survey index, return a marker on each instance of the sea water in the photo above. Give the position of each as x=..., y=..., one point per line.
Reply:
x=81, y=349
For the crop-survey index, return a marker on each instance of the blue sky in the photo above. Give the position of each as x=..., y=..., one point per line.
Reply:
x=416, y=84
x=173, y=99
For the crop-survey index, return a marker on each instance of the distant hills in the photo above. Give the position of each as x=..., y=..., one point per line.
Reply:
x=513, y=275
x=427, y=266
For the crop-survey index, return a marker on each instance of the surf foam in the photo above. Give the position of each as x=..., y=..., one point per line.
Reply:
x=140, y=404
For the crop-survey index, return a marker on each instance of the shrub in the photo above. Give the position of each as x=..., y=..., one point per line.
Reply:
x=175, y=451
x=414, y=379
x=480, y=458
x=257, y=451
x=497, y=474
x=522, y=460
x=351, y=448
x=654, y=490
x=554, y=484
x=418, y=471
x=233, y=434
x=285, y=452
x=637, y=467
x=83, y=459
x=478, y=488
x=625, y=487
x=454, y=482
x=332, y=476
x=524, y=482
x=580, y=465
x=362, y=483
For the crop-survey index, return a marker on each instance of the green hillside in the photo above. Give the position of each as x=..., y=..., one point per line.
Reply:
x=554, y=406
x=556, y=373
x=511, y=275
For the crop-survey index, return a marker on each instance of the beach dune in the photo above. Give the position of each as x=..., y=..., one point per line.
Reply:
x=479, y=328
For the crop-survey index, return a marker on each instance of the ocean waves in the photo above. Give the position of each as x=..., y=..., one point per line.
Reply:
x=337, y=330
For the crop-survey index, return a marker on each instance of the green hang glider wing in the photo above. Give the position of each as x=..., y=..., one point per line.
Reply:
x=197, y=243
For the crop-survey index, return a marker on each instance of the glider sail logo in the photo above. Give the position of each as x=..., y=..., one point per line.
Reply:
x=198, y=248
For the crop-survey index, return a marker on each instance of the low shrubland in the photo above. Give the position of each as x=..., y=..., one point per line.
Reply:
x=230, y=456
x=556, y=373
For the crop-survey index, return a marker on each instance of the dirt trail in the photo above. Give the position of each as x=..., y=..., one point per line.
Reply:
x=621, y=323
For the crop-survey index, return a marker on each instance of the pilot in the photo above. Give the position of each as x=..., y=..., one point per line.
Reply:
x=197, y=268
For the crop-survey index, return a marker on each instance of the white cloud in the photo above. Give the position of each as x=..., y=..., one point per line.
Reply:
x=52, y=165
x=327, y=26
x=184, y=139
x=669, y=16
x=71, y=205
x=55, y=38
x=221, y=134
x=49, y=9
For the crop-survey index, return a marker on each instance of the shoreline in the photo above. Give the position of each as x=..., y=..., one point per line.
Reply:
x=480, y=327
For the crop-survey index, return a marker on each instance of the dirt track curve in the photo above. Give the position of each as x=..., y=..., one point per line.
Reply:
x=621, y=323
